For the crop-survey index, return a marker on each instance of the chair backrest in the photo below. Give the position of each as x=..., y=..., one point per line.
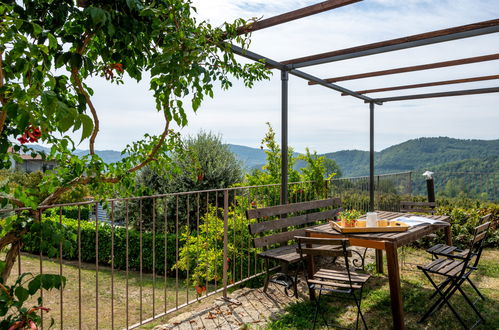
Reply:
x=419, y=207
x=312, y=247
x=280, y=226
x=479, y=235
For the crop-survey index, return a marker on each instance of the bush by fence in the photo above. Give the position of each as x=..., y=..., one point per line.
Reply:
x=88, y=246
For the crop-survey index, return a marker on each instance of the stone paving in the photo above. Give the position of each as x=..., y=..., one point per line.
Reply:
x=249, y=309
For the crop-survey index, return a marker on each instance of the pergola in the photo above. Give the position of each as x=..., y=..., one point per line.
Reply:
x=294, y=66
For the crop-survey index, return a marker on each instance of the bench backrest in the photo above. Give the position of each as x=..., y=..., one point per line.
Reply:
x=277, y=226
x=420, y=207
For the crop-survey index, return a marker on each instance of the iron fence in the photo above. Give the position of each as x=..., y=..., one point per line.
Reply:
x=157, y=254
x=479, y=185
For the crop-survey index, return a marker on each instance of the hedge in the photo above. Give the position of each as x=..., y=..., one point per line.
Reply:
x=88, y=239
x=71, y=212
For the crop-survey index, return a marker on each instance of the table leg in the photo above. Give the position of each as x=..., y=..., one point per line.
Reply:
x=448, y=235
x=310, y=270
x=379, y=261
x=394, y=281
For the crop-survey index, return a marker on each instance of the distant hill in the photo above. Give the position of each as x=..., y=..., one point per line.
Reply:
x=416, y=154
x=108, y=156
x=250, y=157
x=442, y=153
x=254, y=158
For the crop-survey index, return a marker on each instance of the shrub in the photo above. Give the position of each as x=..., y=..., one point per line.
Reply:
x=88, y=245
x=202, y=252
x=71, y=212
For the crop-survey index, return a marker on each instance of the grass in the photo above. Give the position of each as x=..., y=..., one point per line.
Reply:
x=416, y=291
x=164, y=295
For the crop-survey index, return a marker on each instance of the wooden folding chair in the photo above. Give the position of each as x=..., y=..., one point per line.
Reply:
x=330, y=280
x=447, y=251
x=456, y=271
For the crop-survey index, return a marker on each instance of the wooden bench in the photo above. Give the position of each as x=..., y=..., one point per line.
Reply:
x=274, y=235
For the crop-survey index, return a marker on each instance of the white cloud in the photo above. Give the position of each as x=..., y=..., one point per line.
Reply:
x=318, y=117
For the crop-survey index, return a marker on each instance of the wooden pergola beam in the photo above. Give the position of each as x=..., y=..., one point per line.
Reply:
x=428, y=38
x=441, y=94
x=436, y=65
x=295, y=14
x=430, y=84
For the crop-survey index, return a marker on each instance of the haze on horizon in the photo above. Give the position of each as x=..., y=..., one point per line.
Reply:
x=319, y=118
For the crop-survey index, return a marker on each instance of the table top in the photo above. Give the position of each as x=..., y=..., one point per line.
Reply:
x=412, y=234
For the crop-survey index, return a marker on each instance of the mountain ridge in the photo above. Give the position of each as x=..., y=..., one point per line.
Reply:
x=415, y=154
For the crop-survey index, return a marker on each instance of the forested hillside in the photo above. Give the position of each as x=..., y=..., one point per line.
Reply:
x=419, y=154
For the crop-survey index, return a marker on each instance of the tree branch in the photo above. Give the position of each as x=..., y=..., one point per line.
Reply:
x=52, y=198
x=13, y=200
x=3, y=113
x=79, y=87
x=155, y=150
x=10, y=258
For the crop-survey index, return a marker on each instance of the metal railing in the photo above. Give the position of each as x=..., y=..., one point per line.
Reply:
x=478, y=185
x=158, y=254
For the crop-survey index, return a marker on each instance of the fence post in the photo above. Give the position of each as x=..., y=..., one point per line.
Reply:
x=410, y=183
x=226, y=218
x=378, y=195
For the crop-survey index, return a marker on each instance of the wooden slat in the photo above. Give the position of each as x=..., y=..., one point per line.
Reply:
x=397, y=41
x=322, y=252
x=482, y=227
x=256, y=228
x=322, y=241
x=442, y=94
x=430, y=84
x=295, y=14
x=334, y=284
x=479, y=237
x=450, y=267
x=429, y=66
x=290, y=208
x=277, y=238
x=282, y=253
x=485, y=218
x=341, y=275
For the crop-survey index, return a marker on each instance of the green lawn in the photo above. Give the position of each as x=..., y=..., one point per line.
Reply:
x=164, y=294
x=416, y=291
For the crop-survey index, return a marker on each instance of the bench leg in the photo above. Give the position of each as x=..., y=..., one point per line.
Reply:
x=267, y=275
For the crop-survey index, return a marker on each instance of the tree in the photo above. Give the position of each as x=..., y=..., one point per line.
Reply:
x=49, y=49
x=271, y=171
x=202, y=163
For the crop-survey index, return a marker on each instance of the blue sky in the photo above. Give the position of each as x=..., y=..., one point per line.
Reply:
x=320, y=118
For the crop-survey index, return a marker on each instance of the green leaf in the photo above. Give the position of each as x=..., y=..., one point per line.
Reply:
x=98, y=15
x=37, y=29
x=75, y=60
x=88, y=127
x=21, y=293
x=52, y=41
x=34, y=285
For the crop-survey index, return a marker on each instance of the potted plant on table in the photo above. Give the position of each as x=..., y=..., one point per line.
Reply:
x=349, y=218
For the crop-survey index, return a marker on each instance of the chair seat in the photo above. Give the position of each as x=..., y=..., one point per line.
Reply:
x=331, y=277
x=442, y=249
x=288, y=253
x=445, y=267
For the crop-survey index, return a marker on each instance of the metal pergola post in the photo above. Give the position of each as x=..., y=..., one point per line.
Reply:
x=284, y=136
x=371, y=156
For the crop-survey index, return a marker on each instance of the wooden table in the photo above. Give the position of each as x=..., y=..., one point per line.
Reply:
x=389, y=242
